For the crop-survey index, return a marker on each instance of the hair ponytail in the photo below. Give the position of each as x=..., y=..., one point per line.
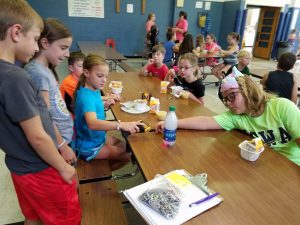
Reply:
x=80, y=84
x=88, y=63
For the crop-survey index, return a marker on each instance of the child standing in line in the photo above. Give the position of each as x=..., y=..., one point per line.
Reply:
x=43, y=181
x=281, y=81
x=229, y=55
x=155, y=66
x=150, y=21
x=189, y=77
x=259, y=114
x=54, y=44
x=91, y=140
x=170, y=47
x=68, y=85
x=244, y=59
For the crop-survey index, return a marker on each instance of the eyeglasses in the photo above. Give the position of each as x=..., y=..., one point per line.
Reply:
x=230, y=97
x=184, y=67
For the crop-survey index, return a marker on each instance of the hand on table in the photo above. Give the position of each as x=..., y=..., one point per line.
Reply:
x=130, y=127
x=108, y=103
x=160, y=127
x=115, y=97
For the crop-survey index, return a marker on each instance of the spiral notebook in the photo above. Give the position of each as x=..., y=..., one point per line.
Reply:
x=189, y=194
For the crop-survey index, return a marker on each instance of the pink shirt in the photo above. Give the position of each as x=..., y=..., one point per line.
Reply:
x=214, y=45
x=208, y=47
x=149, y=25
x=158, y=72
x=181, y=24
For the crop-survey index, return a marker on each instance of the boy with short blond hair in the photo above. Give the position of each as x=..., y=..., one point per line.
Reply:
x=69, y=84
x=155, y=66
x=43, y=181
x=244, y=58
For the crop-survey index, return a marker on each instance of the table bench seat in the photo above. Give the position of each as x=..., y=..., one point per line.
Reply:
x=126, y=67
x=98, y=194
x=87, y=171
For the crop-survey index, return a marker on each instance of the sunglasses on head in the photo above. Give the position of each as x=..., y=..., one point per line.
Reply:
x=230, y=97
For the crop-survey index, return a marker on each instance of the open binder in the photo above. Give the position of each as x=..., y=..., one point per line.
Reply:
x=190, y=193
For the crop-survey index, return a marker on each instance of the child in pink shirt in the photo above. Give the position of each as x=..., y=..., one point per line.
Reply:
x=155, y=66
x=211, y=46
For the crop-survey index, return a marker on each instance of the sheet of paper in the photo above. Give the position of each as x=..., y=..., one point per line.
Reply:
x=129, y=8
x=180, y=3
x=199, y=5
x=84, y=8
x=207, y=5
x=190, y=193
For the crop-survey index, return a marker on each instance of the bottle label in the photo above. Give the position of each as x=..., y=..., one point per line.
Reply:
x=169, y=135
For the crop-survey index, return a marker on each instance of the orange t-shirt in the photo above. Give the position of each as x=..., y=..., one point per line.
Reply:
x=68, y=85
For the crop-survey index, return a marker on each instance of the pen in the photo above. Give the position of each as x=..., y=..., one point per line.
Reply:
x=204, y=199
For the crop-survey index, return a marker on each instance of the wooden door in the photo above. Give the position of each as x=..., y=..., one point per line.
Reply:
x=266, y=30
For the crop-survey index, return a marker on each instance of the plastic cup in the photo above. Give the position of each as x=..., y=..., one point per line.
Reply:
x=184, y=94
x=161, y=115
x=249, y=155
x=176, y=90
x=116, y=90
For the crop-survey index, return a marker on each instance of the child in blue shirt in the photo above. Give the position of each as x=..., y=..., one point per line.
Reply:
x=91, y=141
x=170, y=46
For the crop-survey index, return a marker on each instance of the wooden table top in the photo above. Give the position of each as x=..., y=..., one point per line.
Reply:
x=133, y=87
x=262, y=192
x=88, y=47
x=210, y=55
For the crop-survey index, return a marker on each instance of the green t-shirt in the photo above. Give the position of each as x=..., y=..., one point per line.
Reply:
x=278, y=125
x=244, y=71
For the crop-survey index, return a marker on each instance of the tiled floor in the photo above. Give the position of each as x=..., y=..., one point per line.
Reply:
x=9, y=209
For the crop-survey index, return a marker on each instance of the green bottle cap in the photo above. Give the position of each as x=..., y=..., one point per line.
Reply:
x=172, y=108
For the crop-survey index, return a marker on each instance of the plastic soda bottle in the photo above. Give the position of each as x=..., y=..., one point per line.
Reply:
x=170, y=127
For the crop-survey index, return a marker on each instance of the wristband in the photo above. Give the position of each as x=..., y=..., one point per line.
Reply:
x=61, y=144
x=118, y=124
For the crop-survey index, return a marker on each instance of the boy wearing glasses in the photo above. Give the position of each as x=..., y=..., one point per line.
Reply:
x=256, y=112
x=155, y=66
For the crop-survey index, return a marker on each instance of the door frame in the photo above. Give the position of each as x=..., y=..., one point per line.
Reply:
x=273, y=35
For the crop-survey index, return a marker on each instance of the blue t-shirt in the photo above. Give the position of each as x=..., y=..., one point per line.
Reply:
x=88, y=100
x=168, y=45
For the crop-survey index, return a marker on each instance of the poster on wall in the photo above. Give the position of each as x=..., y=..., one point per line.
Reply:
x=86, y=8
x=180, y=3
